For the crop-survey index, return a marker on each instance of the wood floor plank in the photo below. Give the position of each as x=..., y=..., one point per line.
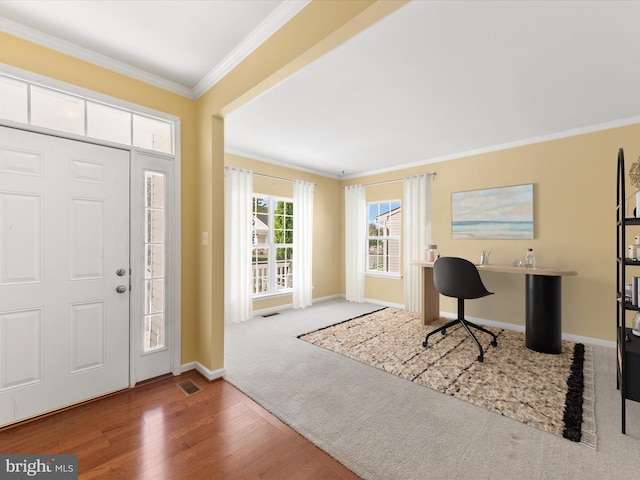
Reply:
x=157, y=432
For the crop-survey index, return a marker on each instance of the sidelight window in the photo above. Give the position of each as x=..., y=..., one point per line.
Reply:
x=155, y=260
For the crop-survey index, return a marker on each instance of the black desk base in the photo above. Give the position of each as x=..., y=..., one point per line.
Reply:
x=543, y=324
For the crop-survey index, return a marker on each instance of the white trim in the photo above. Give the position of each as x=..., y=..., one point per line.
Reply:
x=384, y=304
x=504, y=146
x=520, y=328
x=68, y=48
x=88, y=94
x=280, y=16
x=204, y=371
x=176, y=257
x=280, y=163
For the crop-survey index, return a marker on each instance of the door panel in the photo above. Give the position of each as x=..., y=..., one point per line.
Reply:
x=152, y=321
x=64, y=232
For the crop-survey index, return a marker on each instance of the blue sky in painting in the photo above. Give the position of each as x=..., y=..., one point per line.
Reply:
x=505, y=204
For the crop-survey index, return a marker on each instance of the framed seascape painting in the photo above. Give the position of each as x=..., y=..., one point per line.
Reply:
x=505, y=212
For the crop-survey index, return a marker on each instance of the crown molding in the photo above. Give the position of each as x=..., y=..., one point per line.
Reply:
x=280, y=16
x=252, y=156
x=623, y=122
x=87, y=55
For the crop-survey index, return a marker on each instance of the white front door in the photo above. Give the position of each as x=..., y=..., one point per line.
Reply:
x=64, y=272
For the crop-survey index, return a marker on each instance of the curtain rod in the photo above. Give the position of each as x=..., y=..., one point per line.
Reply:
x=429, y=174
x=276, y=178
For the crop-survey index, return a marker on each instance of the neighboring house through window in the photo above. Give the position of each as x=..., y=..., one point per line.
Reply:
x=383, y=237
x=272, y=250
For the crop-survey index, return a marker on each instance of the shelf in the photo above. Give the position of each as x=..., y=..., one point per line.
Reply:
x=632, y=221
x=633, y=345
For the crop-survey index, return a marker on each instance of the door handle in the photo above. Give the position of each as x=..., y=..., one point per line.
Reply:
x=121, y=289
x=121, y=272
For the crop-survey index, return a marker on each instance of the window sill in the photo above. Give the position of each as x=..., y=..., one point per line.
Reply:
x=265, y=296
x=395, y=276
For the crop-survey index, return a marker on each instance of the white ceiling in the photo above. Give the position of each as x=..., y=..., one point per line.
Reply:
x=432, y=81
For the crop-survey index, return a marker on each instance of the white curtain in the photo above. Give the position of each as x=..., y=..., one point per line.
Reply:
x=355, y=236
x=416, y=213
x=238, y=220
x=302, y=243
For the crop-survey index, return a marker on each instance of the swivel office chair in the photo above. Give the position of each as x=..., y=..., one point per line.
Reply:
x=459, y=278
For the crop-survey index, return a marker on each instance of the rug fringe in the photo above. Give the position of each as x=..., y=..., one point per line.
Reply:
x=589, y=436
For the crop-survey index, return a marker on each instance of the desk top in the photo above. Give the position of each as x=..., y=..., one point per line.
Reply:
x=548, y=271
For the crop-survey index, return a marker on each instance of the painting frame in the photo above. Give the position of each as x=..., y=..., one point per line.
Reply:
x=493, y=213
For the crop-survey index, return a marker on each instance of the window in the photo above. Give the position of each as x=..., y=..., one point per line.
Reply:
x=272, y=245
x=154, y=253
x=25, y=102
x=383, y=237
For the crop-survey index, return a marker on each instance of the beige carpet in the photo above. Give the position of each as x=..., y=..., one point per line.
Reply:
x=533, y=388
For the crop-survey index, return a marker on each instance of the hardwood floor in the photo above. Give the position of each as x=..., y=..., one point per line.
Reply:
x=155, y=431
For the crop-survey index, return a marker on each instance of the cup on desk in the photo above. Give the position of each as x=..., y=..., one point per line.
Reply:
x=484, y=259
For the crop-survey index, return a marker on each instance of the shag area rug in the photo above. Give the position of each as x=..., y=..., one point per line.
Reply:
x=551, y=392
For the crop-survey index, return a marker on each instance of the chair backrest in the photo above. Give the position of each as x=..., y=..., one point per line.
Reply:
x=458, y=278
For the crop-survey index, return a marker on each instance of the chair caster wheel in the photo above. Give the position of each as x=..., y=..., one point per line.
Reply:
x=424, y=344
x=494, y=343
x=480, y=358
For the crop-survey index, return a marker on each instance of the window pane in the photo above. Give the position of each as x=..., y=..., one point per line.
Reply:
x=152, y=134
x=154, y=233
x=284, y=269
x=260, y=266
x=154, y=261
x=260, y=227
x=57, y=110
x=108, y=123
x=153, y=332
x=283, y=223
x=154, y=296
x=154, y=190
x=14, y=100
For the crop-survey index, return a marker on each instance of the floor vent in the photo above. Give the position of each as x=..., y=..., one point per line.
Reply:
x=188, y=387
x=270, y=314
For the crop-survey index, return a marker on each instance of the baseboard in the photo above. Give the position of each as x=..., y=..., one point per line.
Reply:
x=520, y=328
x=204, y=371
x=386, y=304
x=286, y=306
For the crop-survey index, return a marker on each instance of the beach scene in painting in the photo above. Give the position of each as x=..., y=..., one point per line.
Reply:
x=505, y=212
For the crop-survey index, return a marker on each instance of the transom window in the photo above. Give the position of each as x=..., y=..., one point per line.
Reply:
x=25, y=102
x=272, y=245
x=383, y=237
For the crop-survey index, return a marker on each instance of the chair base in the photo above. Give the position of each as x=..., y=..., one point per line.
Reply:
x=466, y=324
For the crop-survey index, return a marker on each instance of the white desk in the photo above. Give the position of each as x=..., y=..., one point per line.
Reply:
x=543, y=312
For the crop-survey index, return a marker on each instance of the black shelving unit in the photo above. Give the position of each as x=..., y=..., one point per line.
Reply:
x=628, y=345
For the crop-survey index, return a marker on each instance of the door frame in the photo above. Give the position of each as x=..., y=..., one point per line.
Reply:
x=174, y=257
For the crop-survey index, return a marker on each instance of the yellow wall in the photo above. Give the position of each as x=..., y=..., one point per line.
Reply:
x=42, y=61
x=318, y=28
x=327, y=240
x=574, y=182
x=574, y=189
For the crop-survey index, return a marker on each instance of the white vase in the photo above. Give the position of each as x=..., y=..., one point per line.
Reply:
x=637, y=215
